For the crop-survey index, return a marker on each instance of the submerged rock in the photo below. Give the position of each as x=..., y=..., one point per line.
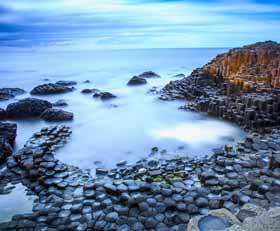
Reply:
x=89, y=91
x=66, y=83
x=149, y=74
x=60, y=103
x=56, y=115
x=27, y=108
x=136, y=81
x=104, y=95
x=51, y=88
x=8, y=93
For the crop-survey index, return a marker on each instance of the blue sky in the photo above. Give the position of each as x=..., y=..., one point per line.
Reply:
x=125, y=24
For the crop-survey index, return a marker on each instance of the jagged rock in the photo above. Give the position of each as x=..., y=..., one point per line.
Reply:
x=8, y=132
x=56, y=115
x=51, y=88
x=104, y=95
x=136, y=80
x=8, y=93
x=149, y=74
x=27, y=108
x=66, y=83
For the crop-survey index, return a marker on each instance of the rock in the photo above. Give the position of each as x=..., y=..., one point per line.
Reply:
x=149, y=74
x=60, y=103
x=180, y=76
x=8, y=93
x=66, y=83
x=27, y=108
x=89, y=91
x=51, y=88
x=136, y=80
x=8, y=132
x=3, y=114
x=56, y=115
x=104, y=95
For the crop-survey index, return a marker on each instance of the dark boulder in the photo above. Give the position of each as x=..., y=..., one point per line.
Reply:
x=149, y=74
x=51, y=88
x=135, y=80
x=8, y=132
x=8, y=93
x=56, y=115
x=27, y=108
x=66, y=83
x=104, y=95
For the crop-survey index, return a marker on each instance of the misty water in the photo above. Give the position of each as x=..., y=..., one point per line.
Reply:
x=125, y=128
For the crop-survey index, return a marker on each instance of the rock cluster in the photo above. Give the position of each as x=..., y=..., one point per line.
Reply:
x=256, y=65
x=35, y=108
x=51, y=88
x=27, y=108
x=8, y=93
x=8, y=132
x=149, y=195
x=215, y=93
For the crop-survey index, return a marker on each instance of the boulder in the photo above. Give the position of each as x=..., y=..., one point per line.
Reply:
x=135, y=80
x=8, y=133
x=27, y=108
x=56, y=115
x=66, y=83
x=149, y=74
x=51, y=88
x=104, y=95
x=8, y=93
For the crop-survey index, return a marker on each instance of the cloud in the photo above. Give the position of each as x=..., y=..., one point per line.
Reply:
x=110, y=24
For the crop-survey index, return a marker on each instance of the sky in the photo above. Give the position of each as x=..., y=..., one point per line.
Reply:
x=136, y=24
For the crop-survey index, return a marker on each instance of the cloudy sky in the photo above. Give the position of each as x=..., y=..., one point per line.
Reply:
x=125, y=24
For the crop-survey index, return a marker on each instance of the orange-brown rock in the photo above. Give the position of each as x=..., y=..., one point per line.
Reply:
x=256, y=65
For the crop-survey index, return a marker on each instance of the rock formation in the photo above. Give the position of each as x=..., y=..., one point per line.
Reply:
x=8, y=93
x=8, y=132
x=240, y=86
x=256, y=65
x=27, y=108
x=51, y=88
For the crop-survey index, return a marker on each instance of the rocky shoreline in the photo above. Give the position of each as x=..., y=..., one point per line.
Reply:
x=160, y=194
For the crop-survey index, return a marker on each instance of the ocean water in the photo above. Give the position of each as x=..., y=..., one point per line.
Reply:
x=125, y=128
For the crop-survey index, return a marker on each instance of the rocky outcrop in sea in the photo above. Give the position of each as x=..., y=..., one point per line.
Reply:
x=219, y=88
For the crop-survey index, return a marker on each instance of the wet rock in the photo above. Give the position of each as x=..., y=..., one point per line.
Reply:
x=136, y=81
x=89, y=91
x=104, y=95
x=3, y=114
x=27, y=108
x=60, y=103
x=66, y=83
x=149, y=74
x=8, y=93
x=56, y=115
x=51, y=88
x=8, y=133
